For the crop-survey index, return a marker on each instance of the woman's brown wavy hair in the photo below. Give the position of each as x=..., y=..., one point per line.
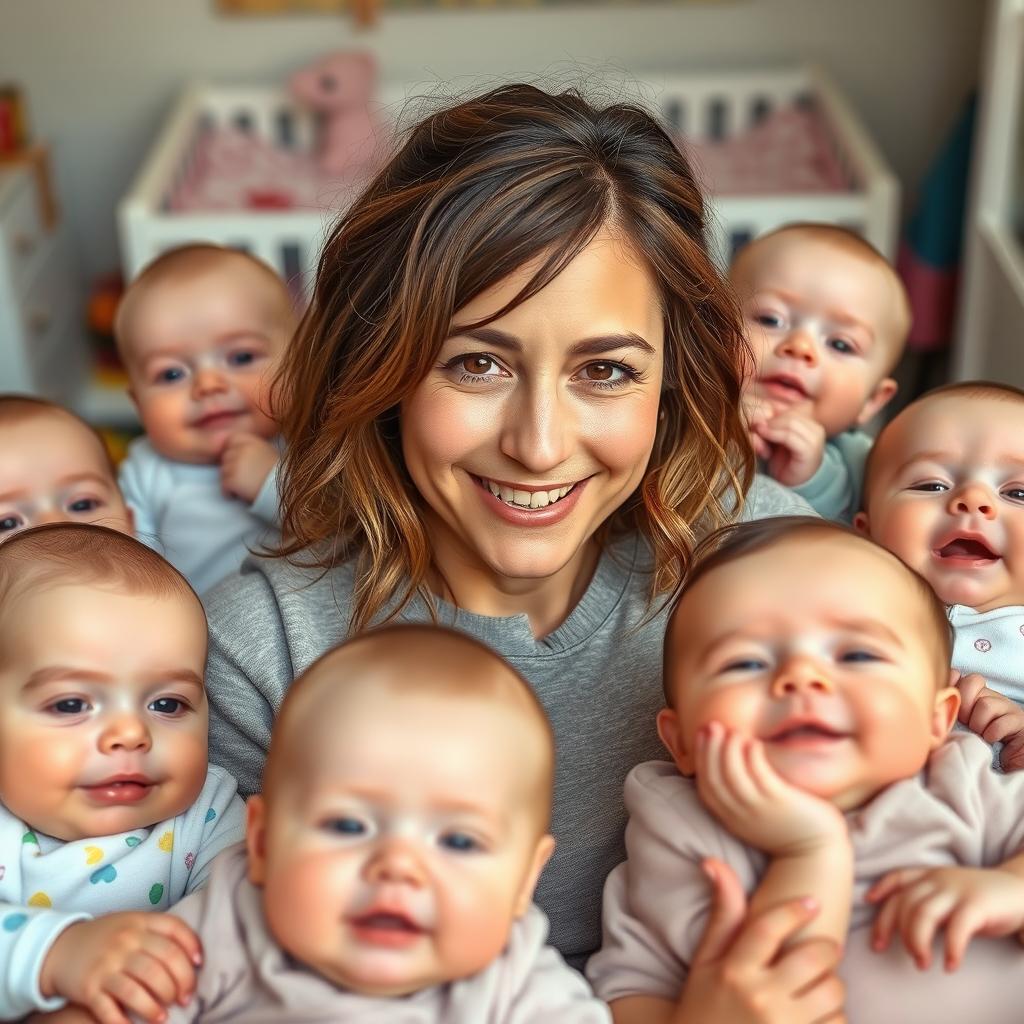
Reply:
x=474, y=193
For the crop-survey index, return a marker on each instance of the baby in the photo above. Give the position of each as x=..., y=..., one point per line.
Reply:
x=200, y=332
x=107, y=805
x=808, y=717
x=827, y=318
x=944, y=491
x=394, y=851
x=54, y=468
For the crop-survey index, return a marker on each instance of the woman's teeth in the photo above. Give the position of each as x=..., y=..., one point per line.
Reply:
x=526, y=499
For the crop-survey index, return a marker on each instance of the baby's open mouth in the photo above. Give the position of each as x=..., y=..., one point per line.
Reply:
x=967, y=549
x=388, y=923
x=806, y=731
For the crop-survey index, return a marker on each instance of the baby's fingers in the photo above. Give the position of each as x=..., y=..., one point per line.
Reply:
x=964, y=924
x=106, y=1010
x=892, y=881
x=174, y=929
x=885, y=923
x=173, y=974
x=920, y=920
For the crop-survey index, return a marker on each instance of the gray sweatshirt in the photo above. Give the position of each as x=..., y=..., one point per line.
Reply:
x=598, y=676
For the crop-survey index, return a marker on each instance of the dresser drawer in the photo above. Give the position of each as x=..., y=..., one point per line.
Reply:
x=22, y=234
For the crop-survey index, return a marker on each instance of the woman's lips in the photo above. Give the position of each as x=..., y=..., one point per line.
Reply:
x=516, y=515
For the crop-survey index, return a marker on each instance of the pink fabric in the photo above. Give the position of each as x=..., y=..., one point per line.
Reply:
x=932, y=292
x=789, y=151
x=231, y=170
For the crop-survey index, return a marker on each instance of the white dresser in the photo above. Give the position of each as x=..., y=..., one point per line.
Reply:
x=43, y=346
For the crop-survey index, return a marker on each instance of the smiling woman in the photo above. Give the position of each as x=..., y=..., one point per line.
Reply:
x=512, y=408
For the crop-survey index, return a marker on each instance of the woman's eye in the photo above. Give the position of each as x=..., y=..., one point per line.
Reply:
x=8, y=523
x=242, y=358
x=84, y=505
x=479, y=365
x=168, y=706
x=69, y=706
x=344, y=826
x=842, y=346
x=459, y=842
x=170, y=375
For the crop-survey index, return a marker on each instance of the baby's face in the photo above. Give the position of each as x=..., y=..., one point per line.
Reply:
x=407, y=843
x=947, y=497
x=103, y=716
x=200, y=356
x=52, y=470
x=834, y=670
x=823, y=324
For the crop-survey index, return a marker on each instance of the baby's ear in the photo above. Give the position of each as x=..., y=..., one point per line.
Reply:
x=541, y=855
x=672, y=736
x=877, y=400
x=256, y=839
x=947, y=704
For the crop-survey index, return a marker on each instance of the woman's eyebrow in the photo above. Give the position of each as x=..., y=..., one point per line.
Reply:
x=595, y=346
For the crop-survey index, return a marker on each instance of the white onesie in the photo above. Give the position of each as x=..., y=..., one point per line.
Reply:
x=47, y=884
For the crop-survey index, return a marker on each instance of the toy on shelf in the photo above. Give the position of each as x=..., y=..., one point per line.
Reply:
x=339, y=88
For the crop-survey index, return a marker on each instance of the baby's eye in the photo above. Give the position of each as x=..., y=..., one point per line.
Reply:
x=84, y=505
x=168, y=706
x=770, y=320
x=858, y=655
x=170, y=375
x=344, y=826
x=842, y=346
x=241, y=358
x=745, y=665
x=8, y=523
x=459, y=842
x=930, y=486
x=69, y=706
x=1014, y=493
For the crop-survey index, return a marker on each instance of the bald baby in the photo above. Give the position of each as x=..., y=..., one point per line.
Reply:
x=407, y=795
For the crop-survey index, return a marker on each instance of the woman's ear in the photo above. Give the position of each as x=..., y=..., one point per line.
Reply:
x=256, y=838
x=672, y=736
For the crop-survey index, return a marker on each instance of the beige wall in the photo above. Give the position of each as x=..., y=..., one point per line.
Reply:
x=101, y=74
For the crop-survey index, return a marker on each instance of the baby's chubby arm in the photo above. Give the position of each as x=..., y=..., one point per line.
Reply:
x=917, y=902
x=128, y=962
x=804, y=836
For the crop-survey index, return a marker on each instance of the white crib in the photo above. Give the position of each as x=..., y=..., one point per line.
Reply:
x=705, y=105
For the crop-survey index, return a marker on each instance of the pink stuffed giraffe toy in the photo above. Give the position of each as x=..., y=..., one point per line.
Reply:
x=339, y=88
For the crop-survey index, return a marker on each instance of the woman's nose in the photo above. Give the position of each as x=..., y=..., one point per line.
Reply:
x=538, y=430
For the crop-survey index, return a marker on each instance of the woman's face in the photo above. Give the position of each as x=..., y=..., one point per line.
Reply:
x=527, y=434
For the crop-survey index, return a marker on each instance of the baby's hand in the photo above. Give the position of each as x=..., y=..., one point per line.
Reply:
x=120, y=963
x=917, y=902
x=70, y=1014
x=754, y=802
x=755, y=413
x=245, y=463
x=795, y=444
x=995, y=718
